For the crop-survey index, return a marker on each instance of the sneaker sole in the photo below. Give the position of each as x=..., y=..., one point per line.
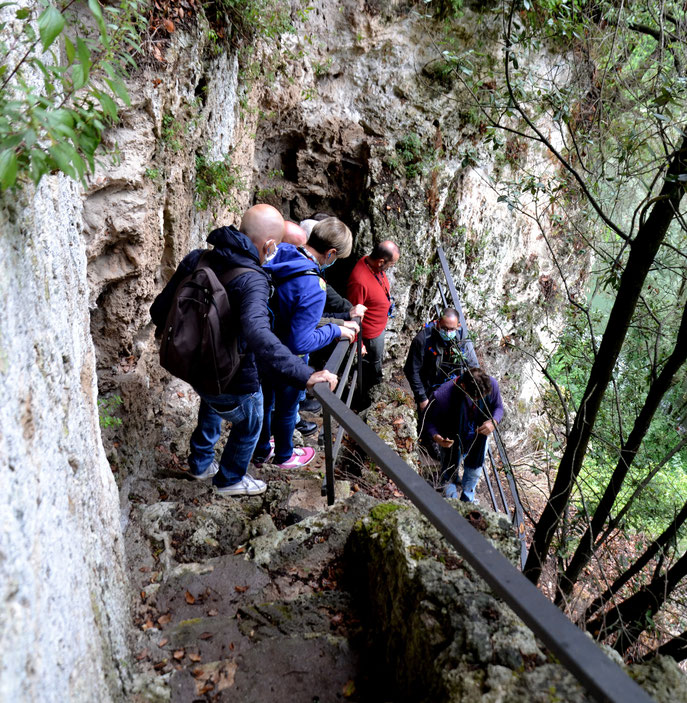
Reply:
x=296, y=466
x=227, y=491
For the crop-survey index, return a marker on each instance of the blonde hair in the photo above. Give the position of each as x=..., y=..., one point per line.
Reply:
x=331, y=234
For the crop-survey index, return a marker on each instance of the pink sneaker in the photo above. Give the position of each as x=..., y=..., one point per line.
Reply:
x=300, y=457
x=258, y=462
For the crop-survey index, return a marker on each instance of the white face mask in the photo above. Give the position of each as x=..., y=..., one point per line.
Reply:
x=269, y=256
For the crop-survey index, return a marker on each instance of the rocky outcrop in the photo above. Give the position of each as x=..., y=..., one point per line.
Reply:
x=63, y=590
x=438, y=631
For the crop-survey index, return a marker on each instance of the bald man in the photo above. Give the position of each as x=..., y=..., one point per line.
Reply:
x=369, y=286
x=262, y=229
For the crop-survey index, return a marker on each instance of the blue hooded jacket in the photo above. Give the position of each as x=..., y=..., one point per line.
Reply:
x=248, y=295
x=298, y=302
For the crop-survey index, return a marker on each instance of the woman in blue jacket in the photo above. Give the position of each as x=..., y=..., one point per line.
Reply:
x=297, y=304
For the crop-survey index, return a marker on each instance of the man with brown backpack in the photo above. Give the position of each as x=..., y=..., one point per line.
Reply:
x=214, y=323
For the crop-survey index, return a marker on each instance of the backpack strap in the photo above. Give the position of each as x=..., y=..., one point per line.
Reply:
x=288, y=277
x=228, y=276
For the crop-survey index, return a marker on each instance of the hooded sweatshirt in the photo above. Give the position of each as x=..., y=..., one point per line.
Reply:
x=298, y=301
x=248, y=295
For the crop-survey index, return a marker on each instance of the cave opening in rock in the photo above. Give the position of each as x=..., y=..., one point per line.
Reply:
x=316, y=172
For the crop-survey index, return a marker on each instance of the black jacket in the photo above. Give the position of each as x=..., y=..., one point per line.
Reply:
x=336, y=305
x=432, y=361
x=248, y=295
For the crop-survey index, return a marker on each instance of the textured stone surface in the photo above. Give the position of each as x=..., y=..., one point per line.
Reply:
x=63, y=590
x=441, y=635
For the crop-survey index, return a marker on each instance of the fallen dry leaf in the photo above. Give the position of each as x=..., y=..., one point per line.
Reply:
x=206, y=688
x=162, y=642
x=239, y=550
x=164, y=619
x=197, y=673
x=179, y=654
x=147, y=625
x=206, y=636
x=212, y=613
x=194, y=656
x=189, y=598
x=142, y=655
x=240, y=589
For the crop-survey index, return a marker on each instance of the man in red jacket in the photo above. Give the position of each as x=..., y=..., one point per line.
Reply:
x=369, y=286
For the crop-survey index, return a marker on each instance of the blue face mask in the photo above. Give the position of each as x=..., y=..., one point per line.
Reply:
x=327, y=264
x=447, y=335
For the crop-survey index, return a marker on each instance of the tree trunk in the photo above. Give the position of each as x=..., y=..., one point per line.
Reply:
x=631, y=616
x=587, y=546
x=642, y=254
x=665, y=538
x=675, y=648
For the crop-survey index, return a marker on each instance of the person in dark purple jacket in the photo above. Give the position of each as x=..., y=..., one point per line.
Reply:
x=460, y=416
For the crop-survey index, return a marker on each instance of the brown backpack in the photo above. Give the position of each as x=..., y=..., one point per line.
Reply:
x=200, y=337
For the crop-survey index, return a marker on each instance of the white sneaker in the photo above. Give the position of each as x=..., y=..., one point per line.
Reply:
x=208, y=473
x=247, y=486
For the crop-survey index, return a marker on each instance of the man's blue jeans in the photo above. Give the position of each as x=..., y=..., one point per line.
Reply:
x=472, y=466
x=245, y=414
x=279, y=419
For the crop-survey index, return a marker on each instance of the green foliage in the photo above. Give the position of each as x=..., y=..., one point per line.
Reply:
x=216, y=181
x=172, y=133
x=570, y=367
x=252, y=19
x=411, y=156
x=106, y=411
x=60, y=86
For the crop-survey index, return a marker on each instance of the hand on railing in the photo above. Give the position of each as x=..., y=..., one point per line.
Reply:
x=357, y=311
x=323, y=377
x=349, y=329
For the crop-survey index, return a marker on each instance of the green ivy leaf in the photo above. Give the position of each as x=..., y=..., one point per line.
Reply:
x=97, y=11
x=8, y=168
x=70, y=50
x=23, y=13
x=109, y=106
x=79, y=75
x=83, y=52
x=50, y=24
x=61, y=155
x=118, y=89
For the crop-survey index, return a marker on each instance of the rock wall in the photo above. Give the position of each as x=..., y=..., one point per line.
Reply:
x=63, y=589
x=348, y=92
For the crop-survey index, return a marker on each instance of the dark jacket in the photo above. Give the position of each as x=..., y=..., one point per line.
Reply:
x=336, y=305
x=298, y=301
x=432, y=361
x=248, y=295
x=452, y=414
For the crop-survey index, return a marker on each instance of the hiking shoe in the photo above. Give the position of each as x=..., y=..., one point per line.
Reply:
x=247, y=486
x=306, y=428
x=208, y=473
x=259, y=461
x=310, y=405
x=300, y=457
x=450, y=490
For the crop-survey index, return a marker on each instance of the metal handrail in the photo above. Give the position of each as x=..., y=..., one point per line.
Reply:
x=601, y=676
x=518, y=513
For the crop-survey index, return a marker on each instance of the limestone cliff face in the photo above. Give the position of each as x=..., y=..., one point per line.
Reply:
x=63, y=589
x=354, y=123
